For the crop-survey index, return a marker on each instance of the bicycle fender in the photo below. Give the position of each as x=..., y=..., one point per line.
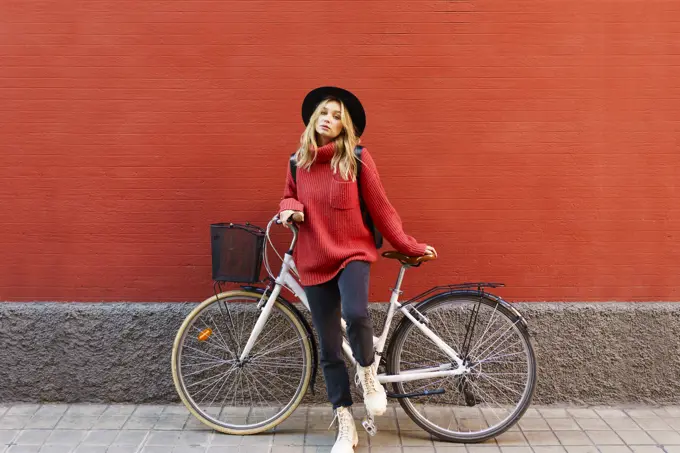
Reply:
x=308, y=328
x=474, y=293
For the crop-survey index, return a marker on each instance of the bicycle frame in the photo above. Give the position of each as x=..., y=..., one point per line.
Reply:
x=286, y=279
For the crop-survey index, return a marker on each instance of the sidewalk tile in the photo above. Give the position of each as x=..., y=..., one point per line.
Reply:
x=614, y=449
x=562, y=424
x=65, y=437
x=43, y=422
x=610, y=412
x=647, y=449
x=515, y=450
x=56, y=449
x=652, y=424
x=145, y=423
x=293, y=423
x=175, y=409
x=32, y=437
x=23, y=449
x=577, y=412
x=641, y=413
x=622, y=423
x=226, y=440
x=23, y=409
x=604, y=438
x=532, y=413
x=202, y=438
x=76, y=422
x=125, y=438
x=51, y=410
x=14, y=421
x=573, y=438
x=120, y=409
x=101, y=437
x=91, y=449
x=168, y=438
x=416, y=439
x=510, y=438
x=7, y=435
x=541, y=438
x=549, y=449
x=319, y=438
x=438, y=448
x=148, y=410
x=110, y=422
x=290, y=439
x=635, y=437
x=592, y=423
x=86, y=410
x=170, y=422
x=665, y=437
x=533, y=424
x=122, y=449
x=553, y=413
x=283, y=449
x=257, y=440
x=385, y=439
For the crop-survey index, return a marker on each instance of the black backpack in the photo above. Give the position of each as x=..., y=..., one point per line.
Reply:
x=377, y=236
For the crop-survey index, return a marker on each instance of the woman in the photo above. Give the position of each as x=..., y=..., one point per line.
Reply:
x=335, y=248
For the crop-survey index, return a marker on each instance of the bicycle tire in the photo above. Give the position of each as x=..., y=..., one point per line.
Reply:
x=241, y=421
x=430, y=419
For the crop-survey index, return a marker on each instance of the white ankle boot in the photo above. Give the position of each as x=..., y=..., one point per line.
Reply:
x=347, y=432
x=375, y=397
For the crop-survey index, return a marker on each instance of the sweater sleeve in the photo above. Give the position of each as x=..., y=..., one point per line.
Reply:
x=382, y=212
x=289, y=200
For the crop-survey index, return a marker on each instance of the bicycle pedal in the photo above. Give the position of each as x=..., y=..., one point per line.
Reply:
x=369, y=426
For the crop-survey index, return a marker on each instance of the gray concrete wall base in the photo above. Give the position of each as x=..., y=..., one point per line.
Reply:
x=602, y=353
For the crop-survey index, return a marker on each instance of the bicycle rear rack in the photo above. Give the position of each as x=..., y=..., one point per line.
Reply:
x=479, y=286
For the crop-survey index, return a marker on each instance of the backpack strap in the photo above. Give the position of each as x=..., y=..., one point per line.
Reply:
x=293, y=167
x=357, y=153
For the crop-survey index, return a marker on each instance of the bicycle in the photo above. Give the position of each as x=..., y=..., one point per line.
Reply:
x=460, y=362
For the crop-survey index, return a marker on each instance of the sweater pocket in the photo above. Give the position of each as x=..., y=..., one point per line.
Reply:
x=344, y=195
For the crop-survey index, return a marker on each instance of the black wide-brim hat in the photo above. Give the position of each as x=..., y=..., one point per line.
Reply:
x=352, y=103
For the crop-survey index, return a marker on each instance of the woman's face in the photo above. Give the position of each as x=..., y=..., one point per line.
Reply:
x=329, y=125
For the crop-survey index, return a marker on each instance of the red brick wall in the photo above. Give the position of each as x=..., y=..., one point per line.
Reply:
x=533, y=142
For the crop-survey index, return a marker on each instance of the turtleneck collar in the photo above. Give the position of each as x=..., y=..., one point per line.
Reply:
x=325, y=153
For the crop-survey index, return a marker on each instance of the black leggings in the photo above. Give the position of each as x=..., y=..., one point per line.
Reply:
x=346, y=295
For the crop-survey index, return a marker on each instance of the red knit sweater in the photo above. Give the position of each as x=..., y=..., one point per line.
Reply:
x=334, y=233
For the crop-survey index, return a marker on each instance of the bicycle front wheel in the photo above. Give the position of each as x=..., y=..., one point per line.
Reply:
x=495, y=347
x=233, y=396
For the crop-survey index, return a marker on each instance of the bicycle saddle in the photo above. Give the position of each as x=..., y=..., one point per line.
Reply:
x=405, y=259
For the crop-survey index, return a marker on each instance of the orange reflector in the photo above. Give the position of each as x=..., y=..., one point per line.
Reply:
x=205, y=334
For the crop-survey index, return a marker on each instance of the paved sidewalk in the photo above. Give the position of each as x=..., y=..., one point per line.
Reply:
x=26, y=428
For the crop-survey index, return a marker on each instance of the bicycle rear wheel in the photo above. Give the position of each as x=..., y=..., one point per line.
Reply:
x=236, y=397
x=498, y=388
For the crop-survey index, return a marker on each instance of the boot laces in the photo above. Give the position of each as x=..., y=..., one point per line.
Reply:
x=369, y=379
x=344, y=418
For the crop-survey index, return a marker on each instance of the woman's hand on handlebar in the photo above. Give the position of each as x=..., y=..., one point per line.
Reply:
x=288, y=215
x=430, y=251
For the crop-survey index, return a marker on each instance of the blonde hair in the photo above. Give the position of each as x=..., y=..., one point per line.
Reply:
x=344, y=160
